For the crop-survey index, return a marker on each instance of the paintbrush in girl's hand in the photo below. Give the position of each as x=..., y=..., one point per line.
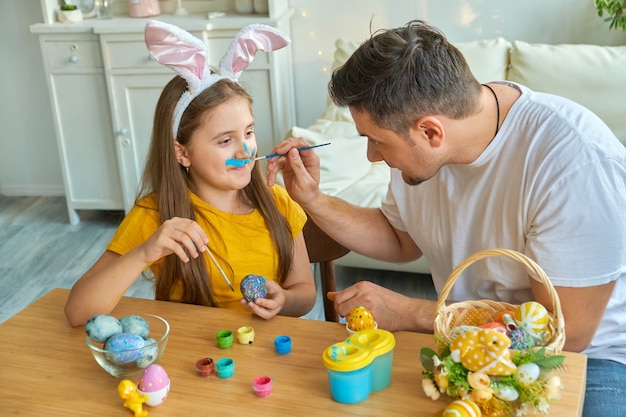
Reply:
x=276, y=155
x=219, y=268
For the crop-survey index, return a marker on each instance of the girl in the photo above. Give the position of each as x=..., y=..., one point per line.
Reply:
x=203, y=196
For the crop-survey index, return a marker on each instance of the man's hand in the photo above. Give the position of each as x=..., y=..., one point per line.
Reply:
x=301, y=170
x=391, y=310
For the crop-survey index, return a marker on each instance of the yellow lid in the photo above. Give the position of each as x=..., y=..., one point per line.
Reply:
x=346, y=357
x=359, y=350
x=377, y=340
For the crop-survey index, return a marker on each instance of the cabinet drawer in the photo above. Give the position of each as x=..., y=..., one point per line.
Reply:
x=72, y=54
x=131, y=54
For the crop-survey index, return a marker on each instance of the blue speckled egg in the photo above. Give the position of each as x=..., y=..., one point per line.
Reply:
x=520, y=339
x=135, y=325
x=102, y=326
x=124, y=348
x=253, y=286
x=150, y=352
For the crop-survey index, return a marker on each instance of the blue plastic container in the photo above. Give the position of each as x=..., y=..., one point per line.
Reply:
x=359, y=365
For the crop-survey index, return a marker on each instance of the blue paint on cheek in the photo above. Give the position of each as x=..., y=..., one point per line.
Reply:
x=246, y=149
x=237, y=162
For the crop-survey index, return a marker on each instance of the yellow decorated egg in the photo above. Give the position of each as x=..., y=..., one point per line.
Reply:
x=532, y=316
x=527, y=373
x=360, y=318
x=461, y=408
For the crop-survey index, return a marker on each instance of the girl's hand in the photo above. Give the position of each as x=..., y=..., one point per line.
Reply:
x=269, y=306
x=184, y=237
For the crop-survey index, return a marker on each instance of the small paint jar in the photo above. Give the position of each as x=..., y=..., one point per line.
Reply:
x=225, y=339
x=245, y=335
x=225, y=367
x=282, y=344
x=262, y=386
x=205, y=367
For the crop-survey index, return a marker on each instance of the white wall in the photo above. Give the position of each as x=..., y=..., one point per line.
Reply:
x=318, y=23
x=29, y=161
x=28, y=155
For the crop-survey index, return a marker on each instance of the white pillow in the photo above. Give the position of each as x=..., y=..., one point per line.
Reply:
x=344, y=161
x=343, y=50
x=488, y=59
x=586, y=74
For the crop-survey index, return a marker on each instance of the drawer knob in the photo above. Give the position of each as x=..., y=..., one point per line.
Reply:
x=123, y=132
x=73, y=59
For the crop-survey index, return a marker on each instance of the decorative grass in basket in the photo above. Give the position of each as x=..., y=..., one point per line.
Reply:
x=495, y=358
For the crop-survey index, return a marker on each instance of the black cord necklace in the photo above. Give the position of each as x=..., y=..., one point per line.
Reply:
x=497, y=106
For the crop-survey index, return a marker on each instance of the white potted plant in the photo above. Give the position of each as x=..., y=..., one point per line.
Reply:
x=69, y=13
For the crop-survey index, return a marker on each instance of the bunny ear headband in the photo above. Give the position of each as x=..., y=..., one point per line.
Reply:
x=188, y=56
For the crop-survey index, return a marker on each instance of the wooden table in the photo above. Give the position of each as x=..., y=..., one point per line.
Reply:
x=47, y=370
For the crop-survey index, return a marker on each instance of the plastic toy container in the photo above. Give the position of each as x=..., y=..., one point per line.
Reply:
x=359, y=365
x=381, y=343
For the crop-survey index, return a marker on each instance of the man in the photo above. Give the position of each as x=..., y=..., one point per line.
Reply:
x=476, y=167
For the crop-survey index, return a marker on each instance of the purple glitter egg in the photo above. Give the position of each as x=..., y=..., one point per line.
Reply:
x=253, y=287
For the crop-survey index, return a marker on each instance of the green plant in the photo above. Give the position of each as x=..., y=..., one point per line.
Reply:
x=616, y=10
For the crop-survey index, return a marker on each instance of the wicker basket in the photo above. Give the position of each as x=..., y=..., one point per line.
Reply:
x=479, y=312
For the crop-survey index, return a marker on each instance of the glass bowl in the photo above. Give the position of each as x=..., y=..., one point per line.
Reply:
x=129, y=363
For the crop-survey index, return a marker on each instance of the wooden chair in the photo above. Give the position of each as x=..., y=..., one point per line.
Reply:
x=323, y=250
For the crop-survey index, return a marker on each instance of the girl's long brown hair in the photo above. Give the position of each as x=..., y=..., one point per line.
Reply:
x=167, y=182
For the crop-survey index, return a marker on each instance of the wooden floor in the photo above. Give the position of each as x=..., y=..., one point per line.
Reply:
x=40, y=250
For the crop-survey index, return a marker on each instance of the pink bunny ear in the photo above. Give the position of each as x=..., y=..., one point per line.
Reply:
x=179, y=50
x=246, y=44
x=187, y=55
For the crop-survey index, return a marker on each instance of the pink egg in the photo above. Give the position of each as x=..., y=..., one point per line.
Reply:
x=154, y=383
x=153, y=378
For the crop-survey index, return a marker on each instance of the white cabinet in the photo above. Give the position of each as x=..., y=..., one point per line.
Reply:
x=104, y=88
x=78, y=94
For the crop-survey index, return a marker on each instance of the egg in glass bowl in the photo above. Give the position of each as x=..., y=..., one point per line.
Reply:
x=124, y=347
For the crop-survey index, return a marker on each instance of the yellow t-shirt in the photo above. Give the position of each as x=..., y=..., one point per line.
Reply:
x=240, y=242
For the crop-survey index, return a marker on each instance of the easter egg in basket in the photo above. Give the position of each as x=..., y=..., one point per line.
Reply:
x=533, y=316
x=461, y=408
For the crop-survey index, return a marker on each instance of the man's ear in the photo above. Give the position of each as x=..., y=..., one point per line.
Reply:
x=181, y=154
x=430, y=129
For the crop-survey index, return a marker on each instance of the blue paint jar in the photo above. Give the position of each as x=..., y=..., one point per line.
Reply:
x=225, y=367
x=282, y=344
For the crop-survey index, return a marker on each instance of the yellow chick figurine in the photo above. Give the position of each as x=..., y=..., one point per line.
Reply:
x=483, y=350
x=133, y=400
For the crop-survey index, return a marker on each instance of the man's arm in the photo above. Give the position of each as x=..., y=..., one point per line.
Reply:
x=361, y=229
x=583, y=309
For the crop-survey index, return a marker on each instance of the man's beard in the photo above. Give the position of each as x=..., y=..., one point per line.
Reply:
x=412, y=181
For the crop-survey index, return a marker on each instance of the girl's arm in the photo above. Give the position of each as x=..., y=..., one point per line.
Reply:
x=99, y=290
x=297, y=295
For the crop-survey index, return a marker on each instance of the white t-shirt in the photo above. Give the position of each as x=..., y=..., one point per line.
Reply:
x=552, y=185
